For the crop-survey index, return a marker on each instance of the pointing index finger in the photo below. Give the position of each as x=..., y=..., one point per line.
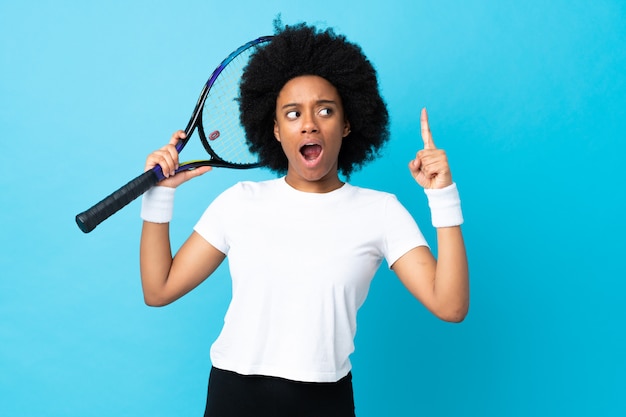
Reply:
x=427, y=136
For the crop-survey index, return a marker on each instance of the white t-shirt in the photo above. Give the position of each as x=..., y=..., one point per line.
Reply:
x=301, y=266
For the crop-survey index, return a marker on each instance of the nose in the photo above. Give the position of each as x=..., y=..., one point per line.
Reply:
x=309, y=124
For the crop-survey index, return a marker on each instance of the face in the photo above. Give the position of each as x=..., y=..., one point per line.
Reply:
x=310, y=125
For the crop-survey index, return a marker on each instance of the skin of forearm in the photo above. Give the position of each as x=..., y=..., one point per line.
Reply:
x=451, y=285
x=155, y=260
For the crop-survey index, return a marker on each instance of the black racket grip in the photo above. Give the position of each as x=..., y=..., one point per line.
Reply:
x=89, y=219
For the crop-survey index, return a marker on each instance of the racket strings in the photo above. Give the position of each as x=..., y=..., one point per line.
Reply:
x=220, y=116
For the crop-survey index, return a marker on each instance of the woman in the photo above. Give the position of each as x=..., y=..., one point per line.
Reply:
x=303, y=248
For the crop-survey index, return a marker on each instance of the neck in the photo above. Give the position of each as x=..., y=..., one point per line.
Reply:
x=322, y=185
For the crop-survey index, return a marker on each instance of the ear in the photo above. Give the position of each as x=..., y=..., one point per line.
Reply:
x=346, y=129
x=276, y=131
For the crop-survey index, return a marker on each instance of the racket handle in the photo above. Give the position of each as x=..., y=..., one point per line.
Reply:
x=89, y=219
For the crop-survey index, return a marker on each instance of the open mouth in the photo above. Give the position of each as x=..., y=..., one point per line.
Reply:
x=311, y=151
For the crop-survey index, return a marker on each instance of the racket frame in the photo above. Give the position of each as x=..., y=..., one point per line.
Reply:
x=92, y=217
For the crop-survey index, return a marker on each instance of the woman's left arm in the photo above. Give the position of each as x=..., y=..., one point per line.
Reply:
x=442, y=285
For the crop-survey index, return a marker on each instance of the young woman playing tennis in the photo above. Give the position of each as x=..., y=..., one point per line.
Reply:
x=303, y=248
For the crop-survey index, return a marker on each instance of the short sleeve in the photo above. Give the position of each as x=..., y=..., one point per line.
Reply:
x=212, y=225
x=401, y=231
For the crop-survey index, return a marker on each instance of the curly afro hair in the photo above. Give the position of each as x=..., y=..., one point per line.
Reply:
x=304, y=50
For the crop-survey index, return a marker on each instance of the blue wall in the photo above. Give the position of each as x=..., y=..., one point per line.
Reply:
x=528, y=98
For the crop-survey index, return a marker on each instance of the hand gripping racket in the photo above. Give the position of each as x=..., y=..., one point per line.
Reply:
x=216, y=117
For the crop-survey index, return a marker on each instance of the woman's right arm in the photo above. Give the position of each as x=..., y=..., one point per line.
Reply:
x=165, y=278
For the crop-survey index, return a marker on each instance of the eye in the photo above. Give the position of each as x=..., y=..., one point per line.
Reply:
x=292, y=115
x=326, y=111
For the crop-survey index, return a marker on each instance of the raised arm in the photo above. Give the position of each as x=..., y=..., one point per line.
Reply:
x=165, y=278
x=442, y=285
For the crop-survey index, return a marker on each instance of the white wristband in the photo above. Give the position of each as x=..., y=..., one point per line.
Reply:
x=445, y=206
x=157, y=204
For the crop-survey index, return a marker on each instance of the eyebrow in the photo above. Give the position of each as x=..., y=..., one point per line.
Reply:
x=318, y=102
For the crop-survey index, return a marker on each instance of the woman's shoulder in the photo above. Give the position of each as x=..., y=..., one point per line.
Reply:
x=369, y=193
x=251, y=189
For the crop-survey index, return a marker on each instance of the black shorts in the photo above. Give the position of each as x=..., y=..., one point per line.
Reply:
x=234, y=395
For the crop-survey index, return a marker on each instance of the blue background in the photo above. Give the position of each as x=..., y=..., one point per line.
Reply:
x=528, y=98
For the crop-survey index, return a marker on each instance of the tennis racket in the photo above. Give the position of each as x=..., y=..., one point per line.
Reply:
x=216, y=117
